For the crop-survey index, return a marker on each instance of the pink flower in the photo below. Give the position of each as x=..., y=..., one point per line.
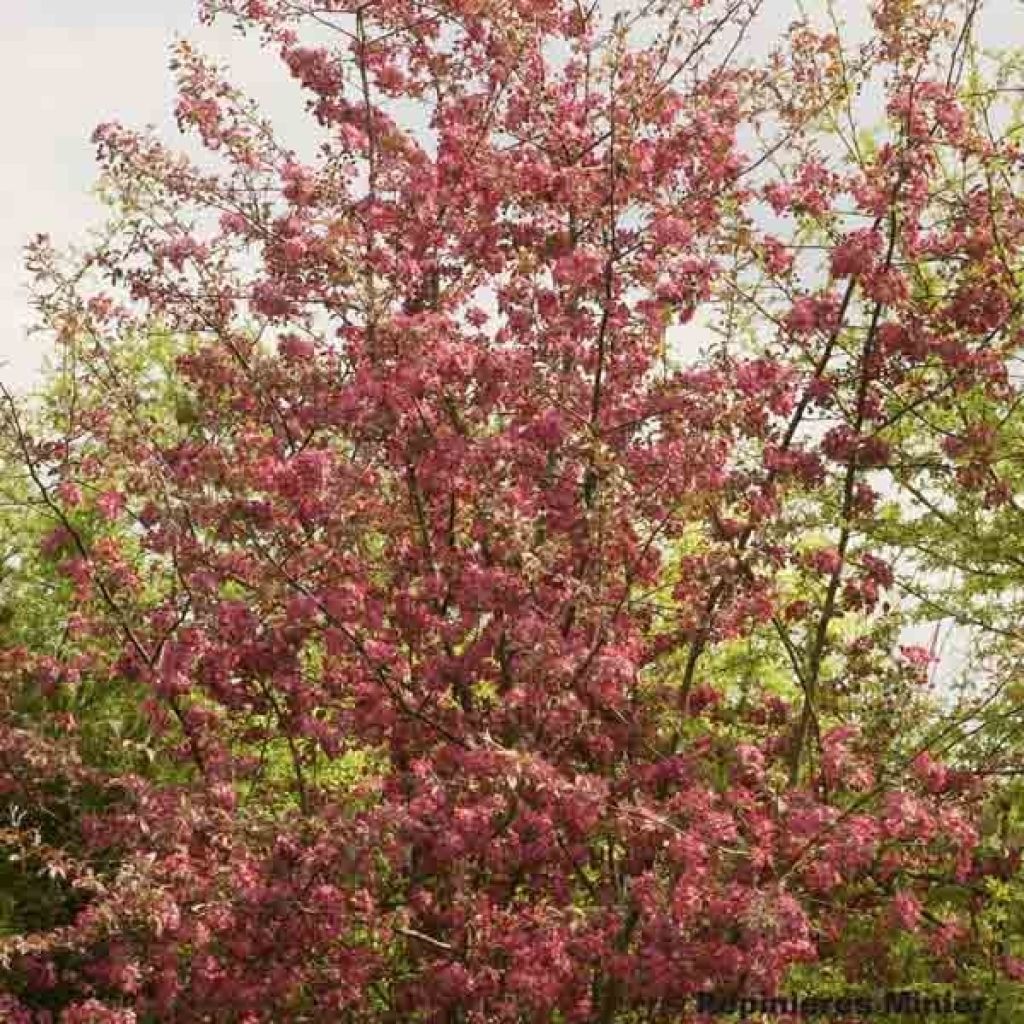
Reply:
x=933, y=775
x=915, y=655
x=581, y=268
x=110, y=504
x=856, y=254
x=826, y=561
x=92, y=1011
x=294, y=249
x=905, y=910
x=1013, y=967
x=672, y=231
x=269, y=299
x=802, y=317
x=779, y=196
x=69, y=493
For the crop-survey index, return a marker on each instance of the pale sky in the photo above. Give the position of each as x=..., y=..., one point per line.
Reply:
x=68, y=65
x=65, y=67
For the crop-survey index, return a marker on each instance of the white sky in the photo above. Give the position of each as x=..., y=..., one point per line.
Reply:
x=68, y=65
x=65, y=67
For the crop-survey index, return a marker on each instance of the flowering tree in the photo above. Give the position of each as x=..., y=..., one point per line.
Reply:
x=496, y=662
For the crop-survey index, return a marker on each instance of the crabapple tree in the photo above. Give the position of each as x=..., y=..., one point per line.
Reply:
x=495, y=659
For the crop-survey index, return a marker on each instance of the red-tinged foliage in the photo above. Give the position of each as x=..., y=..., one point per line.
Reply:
x=431, y=491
